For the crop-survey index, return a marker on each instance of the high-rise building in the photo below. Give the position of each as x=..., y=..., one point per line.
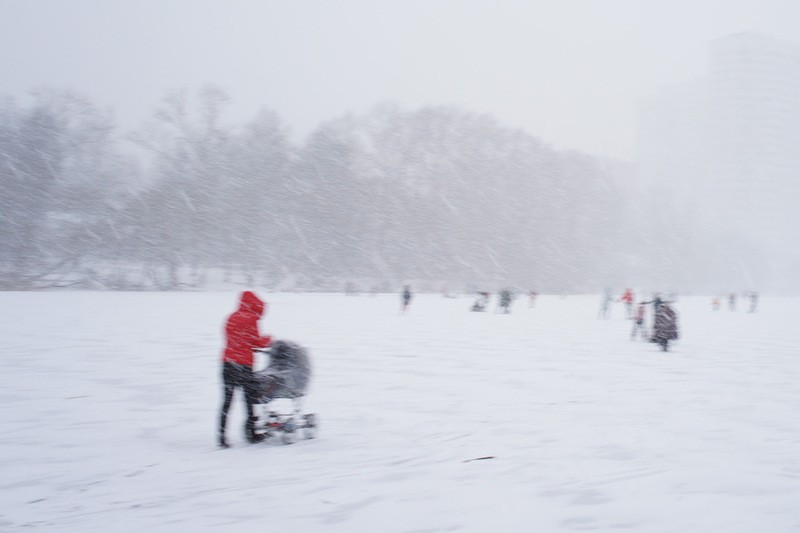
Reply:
x=730, y=142
x=754, y=129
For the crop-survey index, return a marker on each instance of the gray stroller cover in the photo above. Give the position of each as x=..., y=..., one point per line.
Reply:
x=287, y=375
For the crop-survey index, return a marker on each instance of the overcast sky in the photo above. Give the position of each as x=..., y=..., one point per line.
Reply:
x=567, y=71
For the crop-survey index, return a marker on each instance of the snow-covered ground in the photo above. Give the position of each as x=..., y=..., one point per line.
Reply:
x=109, y=404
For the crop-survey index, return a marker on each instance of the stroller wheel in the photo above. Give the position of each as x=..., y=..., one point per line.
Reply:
x=288, y=435
x=310, y=426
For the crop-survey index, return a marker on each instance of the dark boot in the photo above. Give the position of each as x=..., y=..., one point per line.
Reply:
x=255, y=438
x=250, y=431
x=222, y=442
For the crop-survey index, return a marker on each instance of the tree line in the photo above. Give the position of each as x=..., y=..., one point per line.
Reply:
x=433, y=195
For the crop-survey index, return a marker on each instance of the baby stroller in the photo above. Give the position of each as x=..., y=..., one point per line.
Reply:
x=286, y=377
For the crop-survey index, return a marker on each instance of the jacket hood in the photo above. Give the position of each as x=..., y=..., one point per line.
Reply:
x=251, y=303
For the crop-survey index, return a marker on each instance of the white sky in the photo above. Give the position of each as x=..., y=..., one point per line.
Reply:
x=567, y=71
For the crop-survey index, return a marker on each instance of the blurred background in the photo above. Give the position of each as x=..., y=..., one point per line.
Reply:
x=562, y=147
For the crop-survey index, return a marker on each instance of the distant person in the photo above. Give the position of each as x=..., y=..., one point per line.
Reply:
x=657, y=301
x=627, y=299
x=732, y=301
x=481, y=303
x=241, y=338
x=665, y=326
x=715, y=303
x=504, y=301
x=531, y=298
x=753, y=302
x=405, y=299
x=605, y=304
x=638, y=322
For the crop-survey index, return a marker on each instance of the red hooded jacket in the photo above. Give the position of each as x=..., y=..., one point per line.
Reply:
x=241, y=331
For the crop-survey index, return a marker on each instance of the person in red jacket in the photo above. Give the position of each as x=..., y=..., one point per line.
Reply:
x=242, y=337
x=627, y=298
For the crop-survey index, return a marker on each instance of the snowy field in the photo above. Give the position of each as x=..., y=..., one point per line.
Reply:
x=109, y=405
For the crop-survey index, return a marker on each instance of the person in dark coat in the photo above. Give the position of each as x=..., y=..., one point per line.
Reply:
x=753, y=302
x=405, y=298
x=242, y=337
x=656, y=301
x=481, y=303
x=665, y=326
x=504, y=300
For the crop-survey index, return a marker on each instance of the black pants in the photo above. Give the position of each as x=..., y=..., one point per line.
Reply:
x=234, y=376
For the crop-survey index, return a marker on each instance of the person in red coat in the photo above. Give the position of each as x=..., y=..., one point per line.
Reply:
x=627, y=298
x=242, y=337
